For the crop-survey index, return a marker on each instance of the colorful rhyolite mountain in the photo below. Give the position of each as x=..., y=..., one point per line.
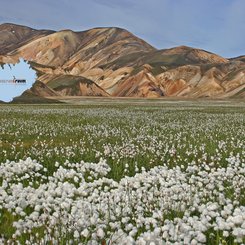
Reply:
x=114, y=62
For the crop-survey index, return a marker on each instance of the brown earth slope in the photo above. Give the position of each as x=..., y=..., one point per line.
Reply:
x=114, y=62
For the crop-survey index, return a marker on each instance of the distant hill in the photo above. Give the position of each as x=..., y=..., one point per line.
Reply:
x=114, y=62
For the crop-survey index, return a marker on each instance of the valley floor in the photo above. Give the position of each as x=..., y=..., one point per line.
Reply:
x=89, y=100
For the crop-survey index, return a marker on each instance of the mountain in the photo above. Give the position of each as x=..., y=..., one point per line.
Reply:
x=14, y=36
x=114, y=62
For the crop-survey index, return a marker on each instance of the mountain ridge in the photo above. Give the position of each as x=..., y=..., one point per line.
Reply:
x=118, y=63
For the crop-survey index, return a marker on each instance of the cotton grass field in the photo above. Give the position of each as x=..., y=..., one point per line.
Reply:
x=123, y=173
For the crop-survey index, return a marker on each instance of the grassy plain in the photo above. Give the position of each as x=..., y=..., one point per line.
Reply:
x=137, y=139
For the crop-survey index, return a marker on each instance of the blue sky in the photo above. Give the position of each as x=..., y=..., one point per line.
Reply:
x=20, y=70
x=214, y=25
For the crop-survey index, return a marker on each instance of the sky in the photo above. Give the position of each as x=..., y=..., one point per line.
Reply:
x=217, y=26
x=20, y=71
x=214, y=25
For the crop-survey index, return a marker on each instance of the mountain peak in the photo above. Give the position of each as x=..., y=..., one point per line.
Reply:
x=13, y=28
x=14, y=36
x=195, y=54
x=111, y=61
